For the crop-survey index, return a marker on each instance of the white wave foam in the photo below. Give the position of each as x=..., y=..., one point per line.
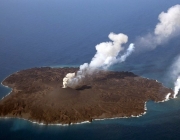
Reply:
x=41, y=123
x=145, y=108
x=59, y=124
x=6, y=87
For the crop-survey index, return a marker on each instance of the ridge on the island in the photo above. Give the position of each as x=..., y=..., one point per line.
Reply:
x=37, y=95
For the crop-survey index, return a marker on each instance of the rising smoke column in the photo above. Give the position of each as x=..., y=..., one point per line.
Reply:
x=176, y=87
x=108, y=51
x=169, y=24
x=106, y=55
x=74, y=80
x=175, y=75
x=126, y=54
x=167, y=28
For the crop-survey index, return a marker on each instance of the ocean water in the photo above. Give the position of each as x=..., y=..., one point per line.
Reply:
x=63, y=33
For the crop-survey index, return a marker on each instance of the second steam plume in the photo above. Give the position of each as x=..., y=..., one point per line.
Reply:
x=167, y=28
x=106, y=55
x=175, y=75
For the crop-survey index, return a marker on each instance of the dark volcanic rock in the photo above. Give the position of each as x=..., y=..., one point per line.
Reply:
x=38, y=95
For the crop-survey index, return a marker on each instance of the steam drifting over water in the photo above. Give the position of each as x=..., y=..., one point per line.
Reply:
x=167, y=28
x=127, y=53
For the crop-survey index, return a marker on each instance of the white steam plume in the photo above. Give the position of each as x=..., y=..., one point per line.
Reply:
x=175, y=74
x=175, y=68
x=74, y=80
x=105, y=56
x=167, y=97
x=176, y=87
x=169, y=24
x=167, y=28
x=65, y=79
x=127, y=53
x=108, y=51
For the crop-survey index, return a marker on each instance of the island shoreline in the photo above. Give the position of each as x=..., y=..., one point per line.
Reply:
x=39, y=123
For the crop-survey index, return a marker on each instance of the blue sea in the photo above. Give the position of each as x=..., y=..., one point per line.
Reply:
x=57, y=33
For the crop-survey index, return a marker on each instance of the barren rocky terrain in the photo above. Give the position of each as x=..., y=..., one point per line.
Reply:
x=37, y=95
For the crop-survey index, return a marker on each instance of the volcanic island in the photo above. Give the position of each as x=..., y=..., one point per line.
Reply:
x=37, y=95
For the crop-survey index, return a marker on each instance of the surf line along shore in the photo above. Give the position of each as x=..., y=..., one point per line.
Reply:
x=37, y=95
